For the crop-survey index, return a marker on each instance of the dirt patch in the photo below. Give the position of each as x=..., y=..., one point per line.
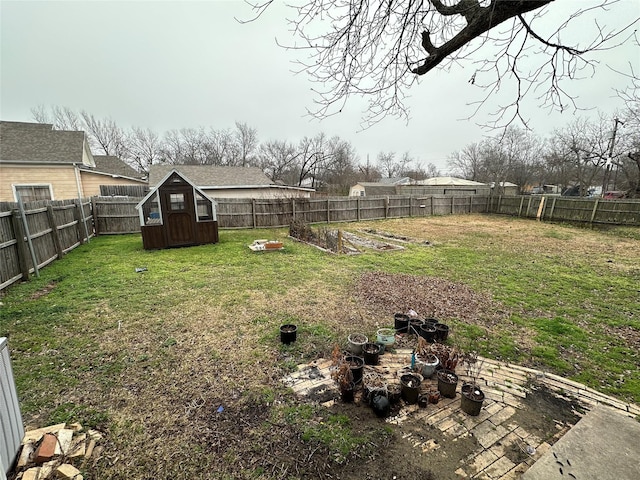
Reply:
x=429, y=296
x=546, y=412
x=43, y=291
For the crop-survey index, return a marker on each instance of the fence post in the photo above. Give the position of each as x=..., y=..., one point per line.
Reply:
x=23, y=254
x=358, y=208
x=431, y=202
x=489, y=204
x=328, y=210
x=499, y=202
x=253, y=211
x=593, y=213
x=553, y=206
x=410, y=206
x=293, y=208
x=83, y=218
x=452, y=202
x=470, y=204
x=540, y=208
x=520, y=209
x=94, y=207
x=528, y=208
x=78, y=218
x=54, y=231
x=386, y=207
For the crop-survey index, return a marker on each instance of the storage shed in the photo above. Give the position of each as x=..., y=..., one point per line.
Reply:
x=176, y=213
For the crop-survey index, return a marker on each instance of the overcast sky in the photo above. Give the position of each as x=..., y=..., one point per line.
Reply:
x=168, y=65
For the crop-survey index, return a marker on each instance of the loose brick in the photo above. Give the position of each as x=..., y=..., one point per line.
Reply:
x=47, y=448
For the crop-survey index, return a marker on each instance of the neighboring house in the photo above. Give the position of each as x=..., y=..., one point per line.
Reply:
x=40, y=163
x=446, y=186
x=372, y=189
x=506, y=188
x=230, y=182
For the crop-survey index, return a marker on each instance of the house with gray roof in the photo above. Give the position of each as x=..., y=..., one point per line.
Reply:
x=372, y=189
x=40, y=163
x=230, y=182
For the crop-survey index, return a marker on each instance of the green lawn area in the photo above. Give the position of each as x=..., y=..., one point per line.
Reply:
x=148, y=357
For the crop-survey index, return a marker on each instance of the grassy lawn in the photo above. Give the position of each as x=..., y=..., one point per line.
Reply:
x=151, y=357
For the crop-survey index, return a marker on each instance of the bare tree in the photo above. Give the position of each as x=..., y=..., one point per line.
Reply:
x=467, y=162
x=105, y=134
x=585, y=145
x=368, y=171
x=246, y=139
x=387, y=164
x=379, y=49
x=62, y=118
x=145, y=148
x=277, y=158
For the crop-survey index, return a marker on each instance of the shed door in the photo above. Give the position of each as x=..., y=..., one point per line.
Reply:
x=179, y=216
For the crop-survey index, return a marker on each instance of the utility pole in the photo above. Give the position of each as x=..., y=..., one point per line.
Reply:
x=609, y=164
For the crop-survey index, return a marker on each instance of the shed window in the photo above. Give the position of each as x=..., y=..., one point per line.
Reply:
x=205, y=212
x=32, y=193
x=176, y=201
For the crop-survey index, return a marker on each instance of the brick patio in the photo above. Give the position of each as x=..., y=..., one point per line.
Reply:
x=504, y=385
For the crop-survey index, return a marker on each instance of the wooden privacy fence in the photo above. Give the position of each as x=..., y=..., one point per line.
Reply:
x=569, y=209
x=38, y=233
x=259, y=213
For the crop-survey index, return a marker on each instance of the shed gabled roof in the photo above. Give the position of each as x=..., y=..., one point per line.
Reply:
x=40, y=143
x=153, y=190
x=115, y=166
x=212, y=176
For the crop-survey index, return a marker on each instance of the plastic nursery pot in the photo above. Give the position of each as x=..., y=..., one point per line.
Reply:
x=414, y=326
x=386, y=336
x=346, y=394
x=447, y=382
x=380, y=405
x=429, y=363
x=356, y=342
x=410, y=384
x=288, y=333
x=357, y=365
x=401, y=322
x=371, y=352
x=471, y=399
x=442, y=332
x=428, y=332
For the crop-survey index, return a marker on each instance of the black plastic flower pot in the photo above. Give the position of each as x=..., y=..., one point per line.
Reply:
x=428, y=332
x=346, y=394
x=415, y=325
x=288, y=333
x=410, y=387
x=442, y=332
x=401, y=322
x=371, y=353
x=471, y=399
x=447, y=383
x=357, y=366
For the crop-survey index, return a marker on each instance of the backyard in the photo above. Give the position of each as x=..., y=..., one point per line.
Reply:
x=175, y=356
